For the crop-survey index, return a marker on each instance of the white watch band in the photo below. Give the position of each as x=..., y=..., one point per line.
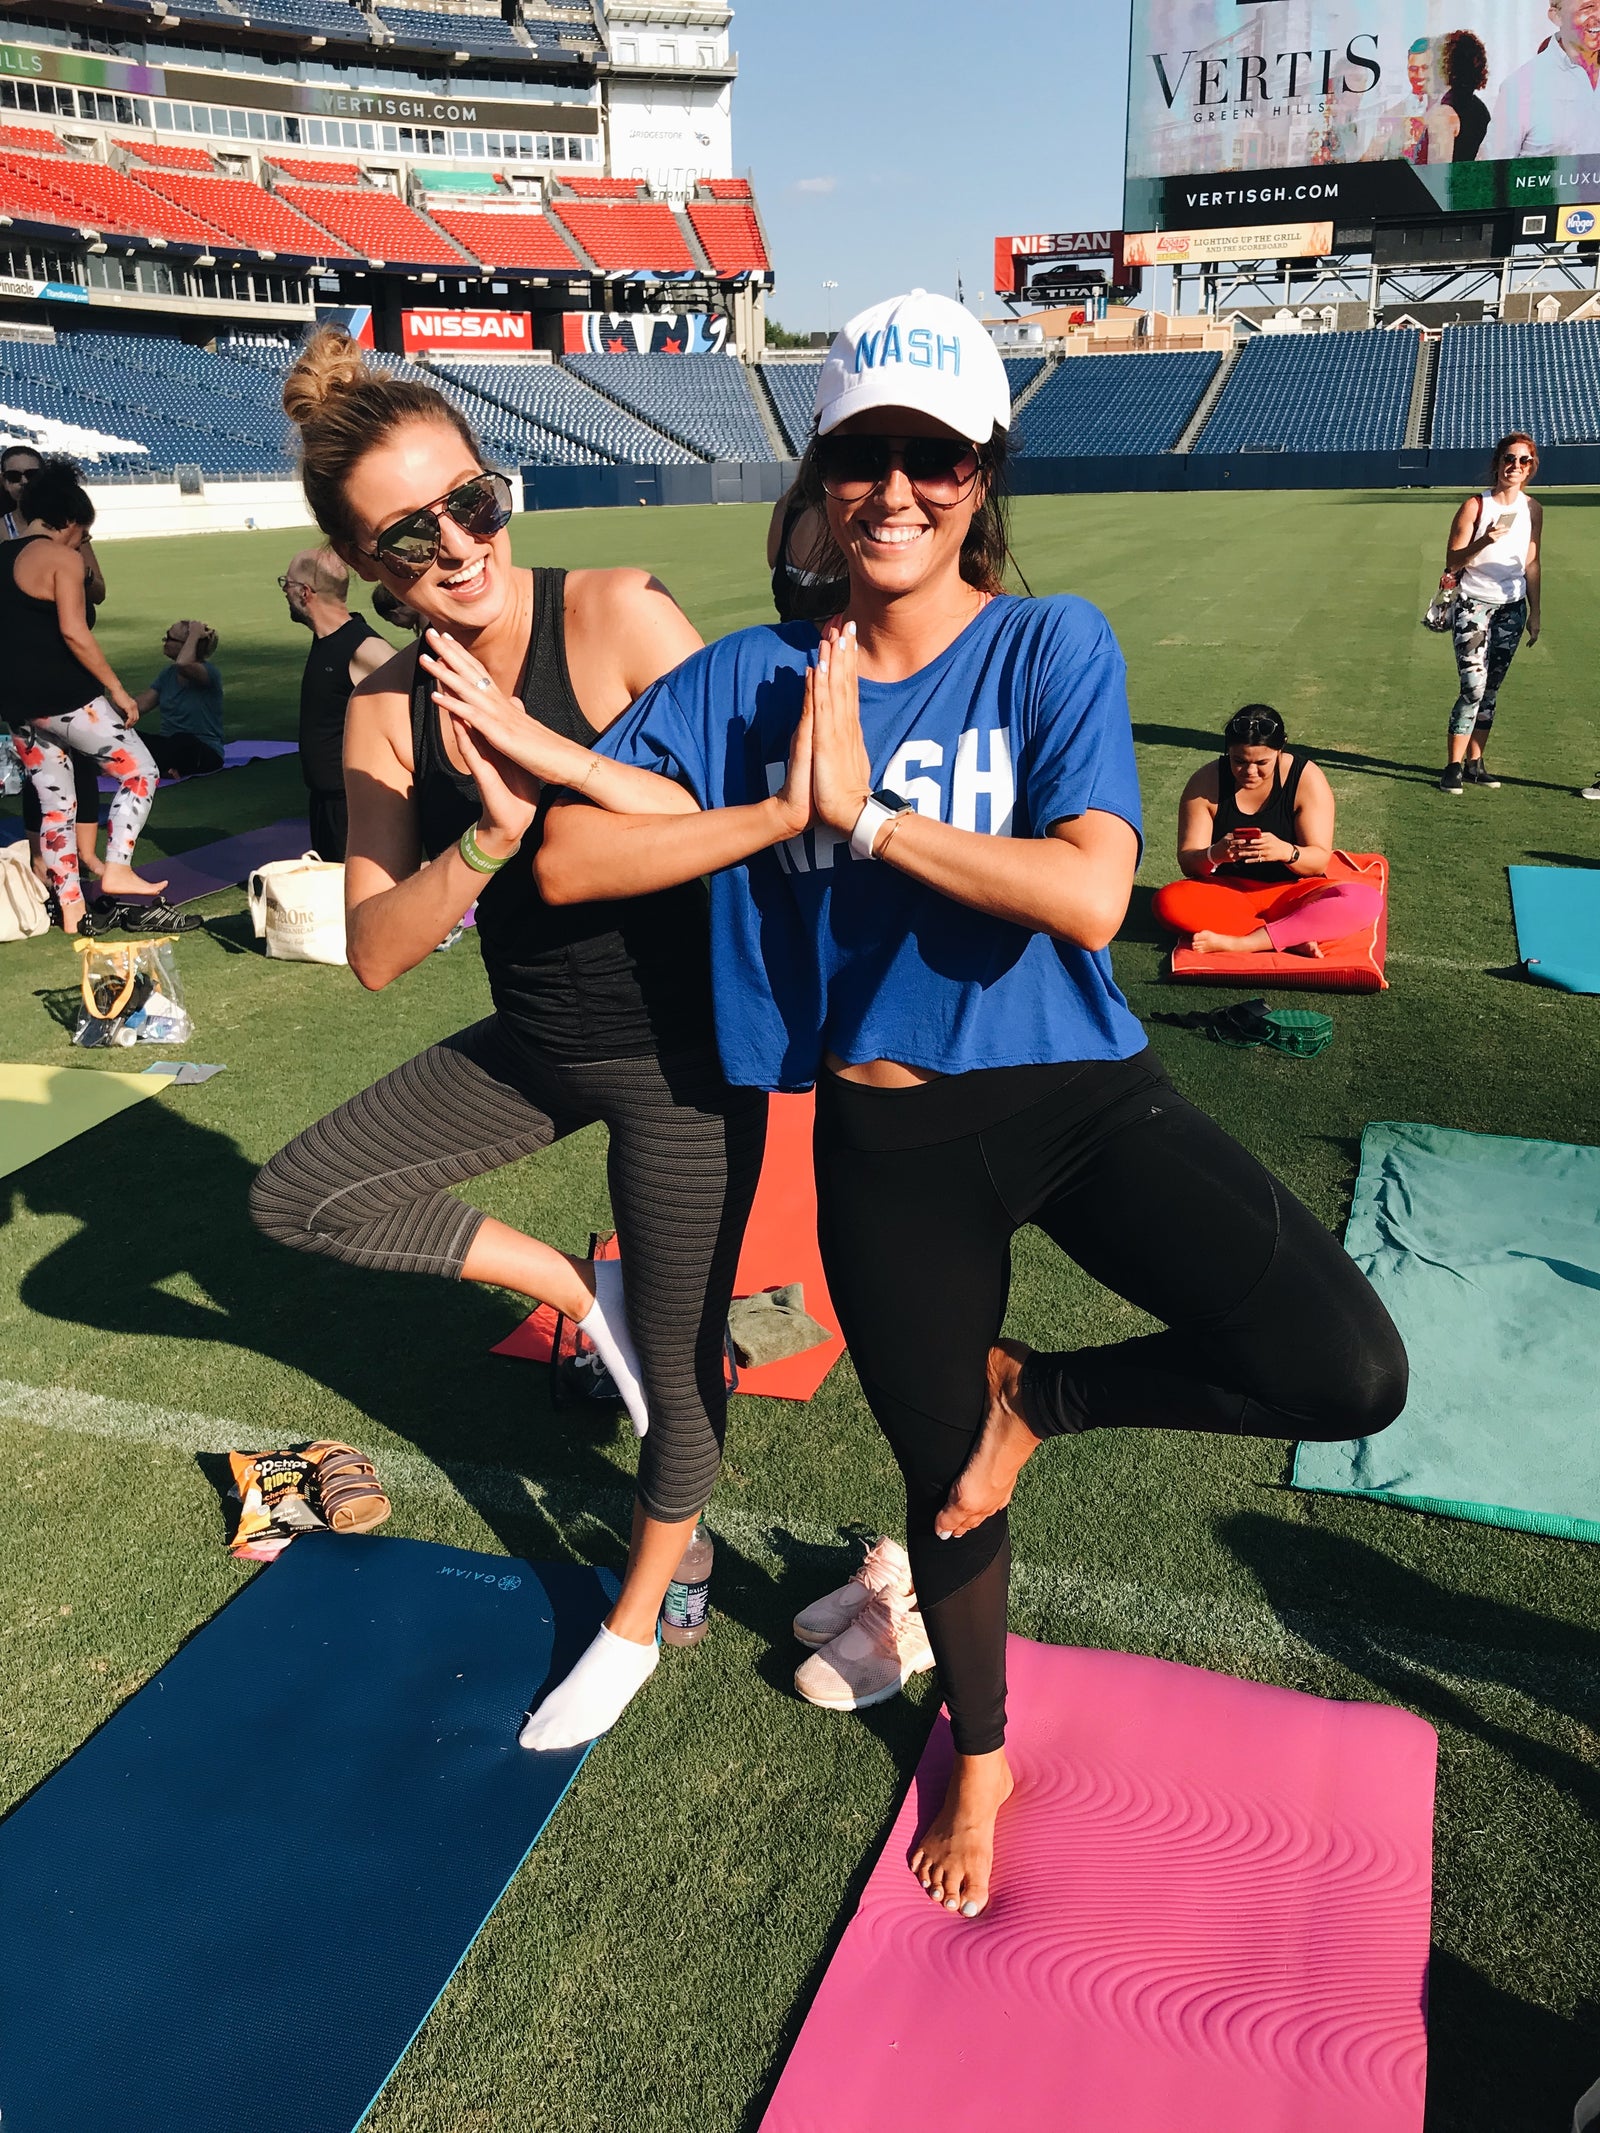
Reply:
x=868, y=823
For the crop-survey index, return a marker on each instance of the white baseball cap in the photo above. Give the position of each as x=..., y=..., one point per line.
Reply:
x=921, y=351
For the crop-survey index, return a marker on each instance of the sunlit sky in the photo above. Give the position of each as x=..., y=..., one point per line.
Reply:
x=891, y=143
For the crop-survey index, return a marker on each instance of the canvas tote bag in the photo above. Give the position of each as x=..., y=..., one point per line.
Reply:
x=297, y=908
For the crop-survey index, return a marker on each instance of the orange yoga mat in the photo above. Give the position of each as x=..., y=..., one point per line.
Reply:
x=780, y=1246
x=1353, y=964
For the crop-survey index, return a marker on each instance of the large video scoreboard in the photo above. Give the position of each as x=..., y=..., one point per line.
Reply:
x=1267, y=125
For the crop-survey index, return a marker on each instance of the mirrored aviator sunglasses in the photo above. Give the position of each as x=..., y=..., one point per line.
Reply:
x=940, y=469
x=479, y=507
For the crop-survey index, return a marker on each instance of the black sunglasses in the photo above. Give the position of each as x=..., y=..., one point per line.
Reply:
x=1517, y=459
x=940, y=469
x=479, y=507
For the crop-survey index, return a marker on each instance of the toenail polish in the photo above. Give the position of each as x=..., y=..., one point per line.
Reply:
x=969, y=1910
x=950, y=1904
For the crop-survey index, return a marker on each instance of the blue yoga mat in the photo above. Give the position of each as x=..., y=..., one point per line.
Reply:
x=1486, y=1251
x=1557, y=911
x=236, y=1904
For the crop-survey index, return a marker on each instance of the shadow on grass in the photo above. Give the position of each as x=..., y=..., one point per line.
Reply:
x=1495, y=2059
x=1331, y=759
x=1564, y=859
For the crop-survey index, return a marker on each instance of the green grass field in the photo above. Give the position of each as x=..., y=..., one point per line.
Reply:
x=650, y=1965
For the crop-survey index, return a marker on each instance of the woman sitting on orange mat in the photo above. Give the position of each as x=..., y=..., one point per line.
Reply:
x=1255, y=834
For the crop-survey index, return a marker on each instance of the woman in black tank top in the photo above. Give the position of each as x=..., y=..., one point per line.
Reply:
x=1255, y=841
x=601, y=1012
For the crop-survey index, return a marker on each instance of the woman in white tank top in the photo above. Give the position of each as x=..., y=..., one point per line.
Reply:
x=1493, y=555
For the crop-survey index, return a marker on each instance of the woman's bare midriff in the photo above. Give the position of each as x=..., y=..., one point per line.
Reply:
x=880, y=1073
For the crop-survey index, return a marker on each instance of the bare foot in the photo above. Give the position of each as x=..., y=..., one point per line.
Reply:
x=1311, y=948
x=955, y=1854
x=1005, y=1445
x=72, y=917
x=1257, y=943
x=123, y=881
x=92, y=863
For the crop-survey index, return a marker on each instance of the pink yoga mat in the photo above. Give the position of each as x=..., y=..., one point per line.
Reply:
x=1211, y=1912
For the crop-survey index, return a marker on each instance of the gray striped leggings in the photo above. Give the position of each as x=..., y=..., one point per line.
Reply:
x=369, y=1183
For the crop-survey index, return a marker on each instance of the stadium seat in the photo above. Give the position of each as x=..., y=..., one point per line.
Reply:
x=1315, y=392
x=508, y=240
x=37, y=140
x=1122, y=406
x=337, y=19
x=701, y=400
x=1020, y=374
x=793, y=390
x=624, y=239
x=164, y=158
x=80, y=194
x=308, y=170
x=434, y=31
x=594, y=431
x=374, y=224
x=602, y=188
x=730, y=237
x=726, y=188
x=1542, y=379
x=247, y=215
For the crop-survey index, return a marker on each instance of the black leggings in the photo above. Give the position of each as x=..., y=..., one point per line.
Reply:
x=1272, y=1331
x=183, y=755
x=369, y=1183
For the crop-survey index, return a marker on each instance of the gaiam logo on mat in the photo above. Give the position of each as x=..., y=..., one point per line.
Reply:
x=481, y=1577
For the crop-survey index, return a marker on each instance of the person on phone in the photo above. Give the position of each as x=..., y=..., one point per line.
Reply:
x=1493, y=559
x=61, y=695
x=599, y=1014
x=1255, y=835
x=921, y=825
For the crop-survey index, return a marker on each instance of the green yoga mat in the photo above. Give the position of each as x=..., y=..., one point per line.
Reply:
x=1487, y=1253
x=43, y=1106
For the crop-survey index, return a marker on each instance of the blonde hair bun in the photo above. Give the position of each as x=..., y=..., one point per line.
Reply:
x=329, y=365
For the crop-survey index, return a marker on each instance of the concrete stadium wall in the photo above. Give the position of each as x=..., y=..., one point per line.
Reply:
x=726, y=481
x=1563, y=465
x=139, y=510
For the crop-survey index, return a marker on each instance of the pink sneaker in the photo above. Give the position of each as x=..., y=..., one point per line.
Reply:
x=869, y=1661
x=887, y=1569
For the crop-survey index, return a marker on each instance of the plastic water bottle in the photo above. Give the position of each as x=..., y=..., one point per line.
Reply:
x=685, y=1612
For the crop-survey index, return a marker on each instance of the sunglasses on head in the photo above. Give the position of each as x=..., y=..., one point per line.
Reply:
x=940, y=469
x=1517, y=459
x=480, y=507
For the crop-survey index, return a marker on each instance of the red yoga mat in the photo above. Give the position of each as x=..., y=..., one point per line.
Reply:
x=780, y=1245
x=1353, y=964
x=1211, y=1910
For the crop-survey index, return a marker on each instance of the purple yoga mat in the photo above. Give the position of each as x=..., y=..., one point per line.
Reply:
x=233, y=754
x=224, y=865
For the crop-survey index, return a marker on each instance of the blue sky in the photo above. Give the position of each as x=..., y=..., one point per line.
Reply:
x=891, y=143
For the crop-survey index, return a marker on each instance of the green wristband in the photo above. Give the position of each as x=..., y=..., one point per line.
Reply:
x=474, y=854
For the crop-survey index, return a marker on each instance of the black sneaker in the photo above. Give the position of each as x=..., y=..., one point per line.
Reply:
x=1478, y=773
x=1452, y=778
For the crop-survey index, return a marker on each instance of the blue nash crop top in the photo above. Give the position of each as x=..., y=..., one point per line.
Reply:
x=1019, y=724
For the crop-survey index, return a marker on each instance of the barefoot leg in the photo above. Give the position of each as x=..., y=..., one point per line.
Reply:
x=954, y=1857
x=123, y=881
x=1257, y=943
x=1005, y=1445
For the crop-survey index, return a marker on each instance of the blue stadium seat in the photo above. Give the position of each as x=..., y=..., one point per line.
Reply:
x=318, y=18
x=1542, y=379
x=1316, y=392
x=1020, y=374
x=593, y=431
x=793, y=387
x=1120, y=406
x=701, y=400
x=435, y=31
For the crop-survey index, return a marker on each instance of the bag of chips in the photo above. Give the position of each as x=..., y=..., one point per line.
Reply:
x=274, y=1492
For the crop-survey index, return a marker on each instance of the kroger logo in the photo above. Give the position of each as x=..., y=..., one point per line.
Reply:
x=1580, y=221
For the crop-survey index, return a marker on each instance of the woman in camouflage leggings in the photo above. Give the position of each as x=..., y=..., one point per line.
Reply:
x=1495, y=541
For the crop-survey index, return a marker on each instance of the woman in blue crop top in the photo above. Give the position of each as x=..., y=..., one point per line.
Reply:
x=922, y=826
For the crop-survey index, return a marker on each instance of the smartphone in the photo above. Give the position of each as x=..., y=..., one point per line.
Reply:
x=1505, y=522
x=1249, y=835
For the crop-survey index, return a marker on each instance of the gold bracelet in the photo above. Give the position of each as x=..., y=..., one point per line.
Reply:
x=889, y=829
x=594, y=764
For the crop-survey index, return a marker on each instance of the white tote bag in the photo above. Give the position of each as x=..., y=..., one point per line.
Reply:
x=297, y=908
x=24, y=906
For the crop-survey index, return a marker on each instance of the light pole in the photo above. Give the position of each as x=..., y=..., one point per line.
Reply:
x=829, y=287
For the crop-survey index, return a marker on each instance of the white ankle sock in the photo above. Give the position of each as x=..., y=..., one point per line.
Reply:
x=606, y=1324
x=594, y=1695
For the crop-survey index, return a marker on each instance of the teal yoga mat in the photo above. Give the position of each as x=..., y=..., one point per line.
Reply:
x=1558, y=925
x=1487, y=1253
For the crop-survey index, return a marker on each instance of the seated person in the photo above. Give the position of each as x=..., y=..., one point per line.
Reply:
x=1255, y=834
x=188, y=694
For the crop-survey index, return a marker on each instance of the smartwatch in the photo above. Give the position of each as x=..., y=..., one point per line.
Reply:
x=881, y=807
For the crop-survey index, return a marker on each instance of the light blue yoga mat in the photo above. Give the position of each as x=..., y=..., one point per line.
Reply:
x=1558, y=925
x=1487, y=1253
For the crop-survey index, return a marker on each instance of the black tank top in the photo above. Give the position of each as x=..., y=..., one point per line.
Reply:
x=796, y=595
x=1274, y=819
x=42, y=676
x=578, y=982
x=324, y=700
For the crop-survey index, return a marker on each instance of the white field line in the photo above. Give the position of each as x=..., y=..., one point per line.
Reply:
x=1204, y=1627
x=1441, y=962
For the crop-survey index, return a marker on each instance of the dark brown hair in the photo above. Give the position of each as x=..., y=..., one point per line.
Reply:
x=984, y=553
x=1504, y=446
x=54, y=495
x=343, y=410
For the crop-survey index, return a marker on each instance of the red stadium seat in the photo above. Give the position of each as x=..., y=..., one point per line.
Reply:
x=306, y=170
x=507, y=240
x=83, y=195
x=623, y=240
x=37, y=139
x=163, y=158
x=375, y=224
x=24, y=196
x=727, y=188
x=730, y=237
x=247, y=215
x=603, y=188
